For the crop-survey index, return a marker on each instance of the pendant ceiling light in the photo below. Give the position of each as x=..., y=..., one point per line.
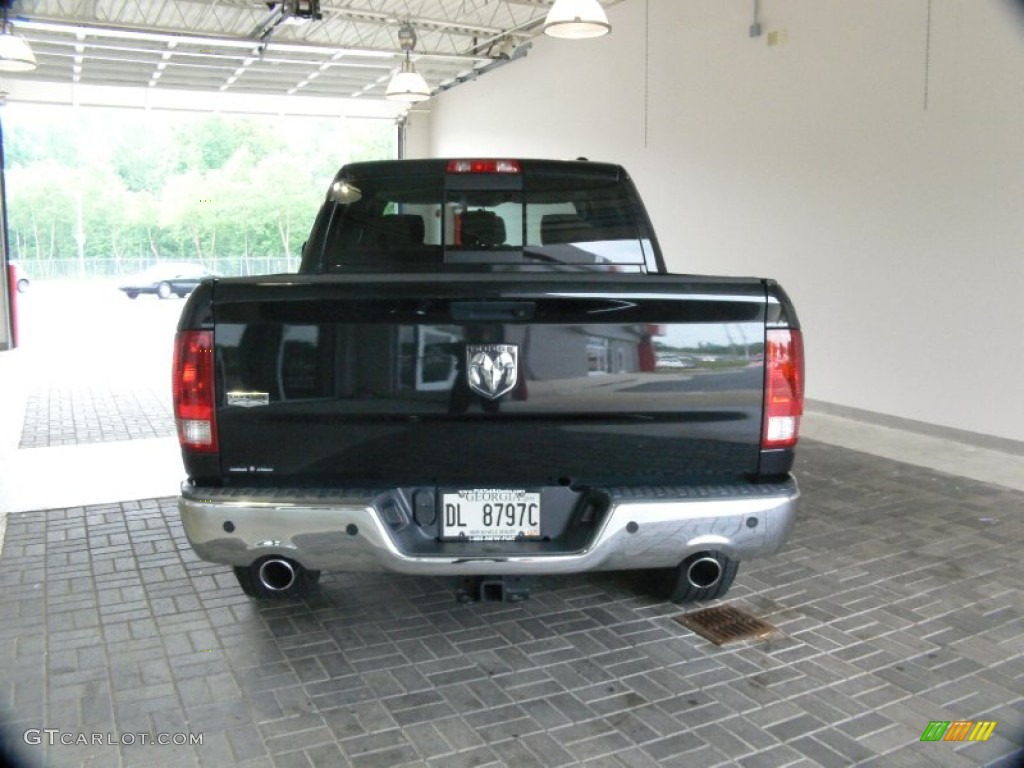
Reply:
x=407, y=84
x=15, y=53
x=576, y=20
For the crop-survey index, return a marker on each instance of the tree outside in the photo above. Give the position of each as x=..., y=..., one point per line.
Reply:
x=101, y=192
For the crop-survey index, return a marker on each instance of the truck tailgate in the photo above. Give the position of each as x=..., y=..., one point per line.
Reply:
x=496, y=379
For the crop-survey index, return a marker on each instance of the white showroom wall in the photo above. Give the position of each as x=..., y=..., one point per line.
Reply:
x=868, y=155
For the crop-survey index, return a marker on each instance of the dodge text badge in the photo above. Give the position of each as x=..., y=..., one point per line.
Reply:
x=492, y=369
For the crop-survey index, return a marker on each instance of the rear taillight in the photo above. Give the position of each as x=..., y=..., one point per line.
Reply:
x=484, y=166
x=783, y=388
x=195, y=405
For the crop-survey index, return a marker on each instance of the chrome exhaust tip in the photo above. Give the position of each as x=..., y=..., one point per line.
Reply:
x=277, y=574
x=704, y=572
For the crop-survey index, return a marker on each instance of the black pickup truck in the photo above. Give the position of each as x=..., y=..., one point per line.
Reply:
x=483, y=370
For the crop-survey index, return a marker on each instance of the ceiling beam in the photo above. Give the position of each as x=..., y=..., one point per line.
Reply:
x=254, y=48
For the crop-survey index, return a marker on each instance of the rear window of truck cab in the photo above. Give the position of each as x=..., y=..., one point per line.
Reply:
x=387, y=220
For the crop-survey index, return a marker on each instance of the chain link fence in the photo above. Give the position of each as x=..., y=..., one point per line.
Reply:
x=89, y=268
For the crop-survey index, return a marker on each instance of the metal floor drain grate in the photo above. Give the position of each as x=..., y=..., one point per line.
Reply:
x=726, y=624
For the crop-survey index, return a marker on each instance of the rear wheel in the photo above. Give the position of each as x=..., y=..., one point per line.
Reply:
x=700, y=577
x=132, y=294
x=275, y=577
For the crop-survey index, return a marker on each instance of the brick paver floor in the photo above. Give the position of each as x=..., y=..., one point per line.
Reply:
x=900, y=601
x=77, y=413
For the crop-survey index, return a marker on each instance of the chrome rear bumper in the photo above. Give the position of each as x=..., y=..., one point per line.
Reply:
x=346, y=531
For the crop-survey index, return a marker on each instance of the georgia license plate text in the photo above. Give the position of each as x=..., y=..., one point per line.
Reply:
x=490, y=515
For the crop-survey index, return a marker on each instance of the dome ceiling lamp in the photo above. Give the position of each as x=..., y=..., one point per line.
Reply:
x=407, y=85
x=576, y=20
x=15, y=53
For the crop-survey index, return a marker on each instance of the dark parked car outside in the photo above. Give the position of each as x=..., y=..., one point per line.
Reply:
x=166, y=279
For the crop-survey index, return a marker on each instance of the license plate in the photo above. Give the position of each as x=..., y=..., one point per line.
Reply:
x=490, y=514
